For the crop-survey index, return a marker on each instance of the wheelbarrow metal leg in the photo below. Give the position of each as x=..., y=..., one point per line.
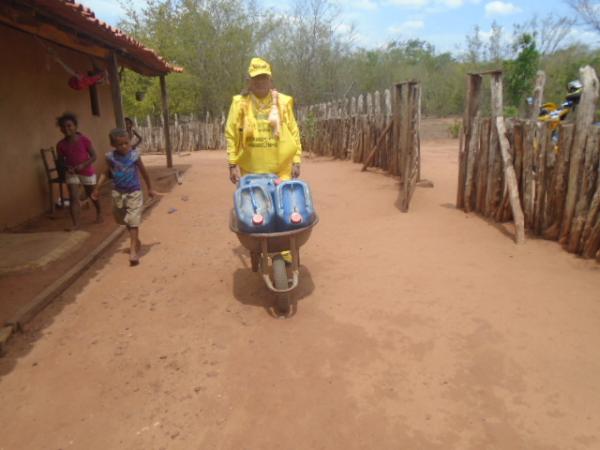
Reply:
x=264, y=257
x=295, y=251
x=255, y=260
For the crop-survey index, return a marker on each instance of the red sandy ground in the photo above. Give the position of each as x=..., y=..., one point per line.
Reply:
x=19, y=287
x=426, y=330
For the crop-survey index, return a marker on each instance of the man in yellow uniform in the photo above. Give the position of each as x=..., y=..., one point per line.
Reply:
x=261, y=131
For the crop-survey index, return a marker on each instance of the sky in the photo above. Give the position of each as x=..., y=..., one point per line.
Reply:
x=444, y=23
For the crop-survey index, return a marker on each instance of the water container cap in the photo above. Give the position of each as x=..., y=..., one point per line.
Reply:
x=257, y=219
x=296, y=217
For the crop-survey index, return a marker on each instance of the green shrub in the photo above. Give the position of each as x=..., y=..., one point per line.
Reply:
x=511, y=111
x=454, y=129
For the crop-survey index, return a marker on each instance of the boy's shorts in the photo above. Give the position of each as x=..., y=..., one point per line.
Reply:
x=75, y=178
x=127, y=207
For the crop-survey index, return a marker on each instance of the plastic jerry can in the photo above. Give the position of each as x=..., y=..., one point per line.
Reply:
x=293, y=205
x=254, y=209
x=268, y=180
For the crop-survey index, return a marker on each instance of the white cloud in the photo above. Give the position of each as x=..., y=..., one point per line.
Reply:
x=582, y=35
x=485, y=35
x=499, y=8
x=453, y=3
x=407, y=27
x=343, y=28
x=413, y=24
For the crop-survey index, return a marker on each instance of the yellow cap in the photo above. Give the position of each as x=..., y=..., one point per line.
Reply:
x=258, y=66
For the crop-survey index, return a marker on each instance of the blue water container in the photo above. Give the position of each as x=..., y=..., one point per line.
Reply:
x=254, y=209
x=293, y=205
x=268, y=180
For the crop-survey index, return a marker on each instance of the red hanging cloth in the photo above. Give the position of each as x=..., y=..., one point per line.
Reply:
x=80, y=82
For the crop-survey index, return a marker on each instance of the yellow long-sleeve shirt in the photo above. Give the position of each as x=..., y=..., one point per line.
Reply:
x=262, y=152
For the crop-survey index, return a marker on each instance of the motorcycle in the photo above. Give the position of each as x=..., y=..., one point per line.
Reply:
x=555, y=114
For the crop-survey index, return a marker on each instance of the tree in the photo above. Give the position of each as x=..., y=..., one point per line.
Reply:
x=550, y=32
x=521, y=72
x=563, y=66
x=495, y=48
x=308, y=52
x=474, y=46
x=212, y=39
x=588, y=13
x=316, y=59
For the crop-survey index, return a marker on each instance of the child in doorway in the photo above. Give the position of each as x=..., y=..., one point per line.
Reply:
x=125, y=167
x=78, y=154
x=132, y=133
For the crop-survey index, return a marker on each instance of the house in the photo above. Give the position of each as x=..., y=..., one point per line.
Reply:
x=43, y=43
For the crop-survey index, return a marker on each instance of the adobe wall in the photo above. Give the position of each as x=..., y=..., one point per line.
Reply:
x=33, y=92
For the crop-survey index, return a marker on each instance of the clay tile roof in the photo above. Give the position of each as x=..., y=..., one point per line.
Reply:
x=84, y=19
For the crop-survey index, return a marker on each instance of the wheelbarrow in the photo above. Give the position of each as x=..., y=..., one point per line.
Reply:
x=268, y=246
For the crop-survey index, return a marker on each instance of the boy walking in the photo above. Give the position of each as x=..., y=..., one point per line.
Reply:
x=124, y=167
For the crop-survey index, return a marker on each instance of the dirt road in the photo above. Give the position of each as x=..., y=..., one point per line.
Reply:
x=427, y=330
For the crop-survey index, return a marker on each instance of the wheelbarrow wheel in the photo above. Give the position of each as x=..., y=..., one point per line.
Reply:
x=280, y=280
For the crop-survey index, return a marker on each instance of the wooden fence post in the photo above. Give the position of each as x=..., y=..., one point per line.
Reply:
x=472, y=110
x=396, y=119
x=165, y=110
x=412, y=157
x=359, y=128
x=115, y=89
x=583, y=122
x=558, y=184
x=588, y=185
x=375, y=147
x=377, y=102
x=472, y=154
x=482, y=165
x=405, y=121
x=510, y=177
x=538, y=94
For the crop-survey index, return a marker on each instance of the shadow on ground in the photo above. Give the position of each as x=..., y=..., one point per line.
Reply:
x=250, y=289
x=144, y=249
x=501, y=227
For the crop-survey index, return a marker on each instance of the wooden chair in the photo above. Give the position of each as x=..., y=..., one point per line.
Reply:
x=53, y=175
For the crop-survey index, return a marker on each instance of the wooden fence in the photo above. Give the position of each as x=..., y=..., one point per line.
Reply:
x=374, y=130
x=557, y=173
x=187, y=134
